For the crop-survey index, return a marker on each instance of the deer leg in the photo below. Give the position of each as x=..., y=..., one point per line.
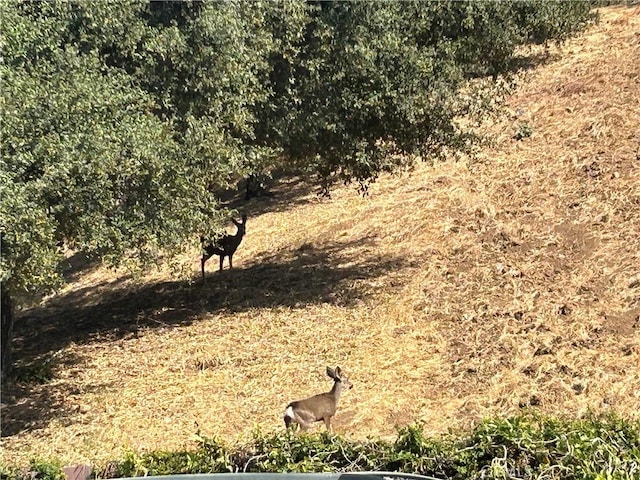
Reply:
x=327, y=423
x=205, y=257
x=231, y=261
x=304, y=426
x=221, y=261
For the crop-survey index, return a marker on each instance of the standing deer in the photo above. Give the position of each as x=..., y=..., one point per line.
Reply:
x=319, y=407
x=225, y=246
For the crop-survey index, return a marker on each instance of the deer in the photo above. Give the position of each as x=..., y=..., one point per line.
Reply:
x=225, y=246
x=318, y=407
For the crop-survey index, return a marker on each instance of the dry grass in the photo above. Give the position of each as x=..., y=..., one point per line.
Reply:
x=460, y=291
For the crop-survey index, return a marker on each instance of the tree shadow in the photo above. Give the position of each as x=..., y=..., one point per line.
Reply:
x=531, y=61
x=334, y=273
x=285, y=193
x=311, y=274
x=78, y=264
x=31, y=403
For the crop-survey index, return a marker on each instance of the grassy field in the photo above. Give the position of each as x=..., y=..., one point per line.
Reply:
x=454, y=292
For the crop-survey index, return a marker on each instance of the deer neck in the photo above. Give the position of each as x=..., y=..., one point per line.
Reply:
x=336, y=390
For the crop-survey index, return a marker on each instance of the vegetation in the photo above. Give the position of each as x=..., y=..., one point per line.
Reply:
x=120, y=118
x=524, y=447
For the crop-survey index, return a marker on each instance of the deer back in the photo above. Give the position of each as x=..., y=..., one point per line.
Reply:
x=319, y=406
x=324, y=405
x=228, y=244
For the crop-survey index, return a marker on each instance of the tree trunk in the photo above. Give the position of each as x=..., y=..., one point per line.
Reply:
x=6, y=312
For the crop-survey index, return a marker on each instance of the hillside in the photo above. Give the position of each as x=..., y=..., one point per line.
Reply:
x=457, y=291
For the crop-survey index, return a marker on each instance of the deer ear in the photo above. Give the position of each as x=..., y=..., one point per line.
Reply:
x=338, y=371
x=331, y=372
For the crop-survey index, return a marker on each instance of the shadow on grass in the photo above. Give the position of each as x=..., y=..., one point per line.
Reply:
x=31, y=402
x=335, y=273
x=285, y=193
x=532, y=60
x=78, y=264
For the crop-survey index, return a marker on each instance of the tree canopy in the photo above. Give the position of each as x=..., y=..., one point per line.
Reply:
x=120, y=117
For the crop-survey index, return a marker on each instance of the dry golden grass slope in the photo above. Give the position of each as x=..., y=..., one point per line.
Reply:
x=460, y=291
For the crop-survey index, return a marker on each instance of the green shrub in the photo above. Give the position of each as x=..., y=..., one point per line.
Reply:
x=37, y=470
x=210, y=456
x=38, y=371
x=524, y=131
x=527, y=446
x=530, y=446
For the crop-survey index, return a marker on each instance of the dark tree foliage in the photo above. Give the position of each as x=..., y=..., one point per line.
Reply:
x=367, y=87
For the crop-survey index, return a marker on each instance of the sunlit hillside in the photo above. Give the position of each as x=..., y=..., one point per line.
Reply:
x=455, y=292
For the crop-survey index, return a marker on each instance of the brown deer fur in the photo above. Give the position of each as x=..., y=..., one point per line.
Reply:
x=319, y=407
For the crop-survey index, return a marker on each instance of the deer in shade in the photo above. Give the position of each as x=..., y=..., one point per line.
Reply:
x=224, y=246
x=321, y=407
